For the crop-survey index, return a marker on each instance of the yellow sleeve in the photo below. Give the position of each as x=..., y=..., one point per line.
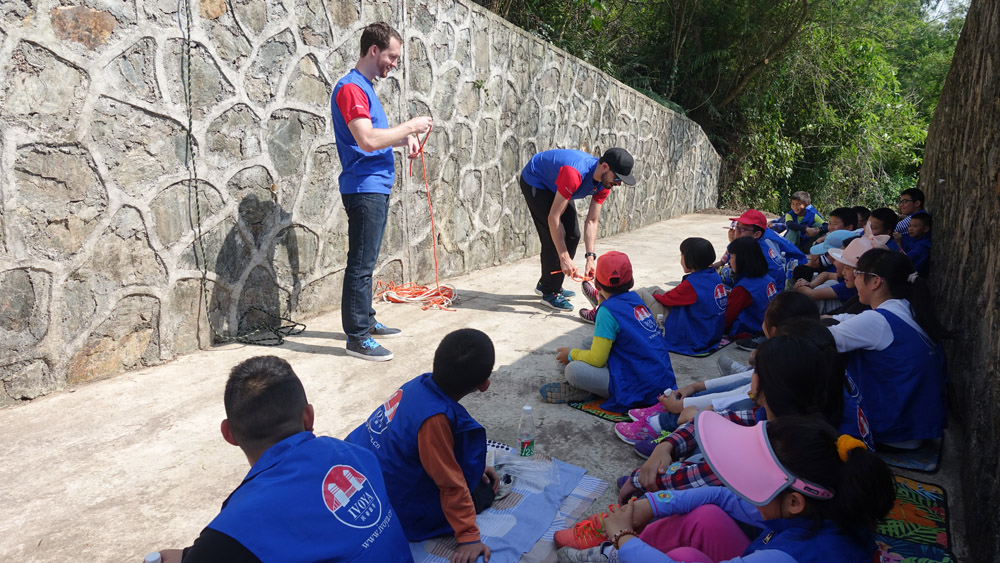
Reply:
x=598, y=354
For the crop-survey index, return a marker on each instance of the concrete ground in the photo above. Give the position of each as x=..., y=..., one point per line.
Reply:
x=111, y=470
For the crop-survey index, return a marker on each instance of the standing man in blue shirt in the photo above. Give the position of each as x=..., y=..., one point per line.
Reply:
x=549, y=181
x=364, y=144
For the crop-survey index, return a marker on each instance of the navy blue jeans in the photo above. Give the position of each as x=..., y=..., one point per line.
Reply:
x=366, y=219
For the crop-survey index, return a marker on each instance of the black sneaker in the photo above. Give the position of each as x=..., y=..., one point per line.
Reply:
x=381, y=330
x=368, y=349
x=750, y=344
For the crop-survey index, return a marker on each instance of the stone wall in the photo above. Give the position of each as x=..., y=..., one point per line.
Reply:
x=100, y=265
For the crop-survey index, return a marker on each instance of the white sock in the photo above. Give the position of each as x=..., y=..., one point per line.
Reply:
x=654, y=423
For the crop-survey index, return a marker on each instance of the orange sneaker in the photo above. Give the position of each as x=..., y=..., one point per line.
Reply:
x=585, y=534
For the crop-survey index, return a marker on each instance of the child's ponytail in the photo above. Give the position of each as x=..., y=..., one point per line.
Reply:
x=865, y=488
x=897, y=271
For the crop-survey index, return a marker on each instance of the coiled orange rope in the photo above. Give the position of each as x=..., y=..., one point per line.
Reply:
x=440, y=297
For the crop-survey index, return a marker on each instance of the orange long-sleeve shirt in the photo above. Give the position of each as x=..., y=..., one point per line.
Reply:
x=436, y=445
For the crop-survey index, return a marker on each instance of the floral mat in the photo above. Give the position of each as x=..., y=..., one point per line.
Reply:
x=594, y=408
x=916, y=530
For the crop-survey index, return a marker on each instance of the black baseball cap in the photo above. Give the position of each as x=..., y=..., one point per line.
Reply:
x=620, y=162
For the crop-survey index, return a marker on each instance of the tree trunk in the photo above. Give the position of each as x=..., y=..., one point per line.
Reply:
x=961, y=179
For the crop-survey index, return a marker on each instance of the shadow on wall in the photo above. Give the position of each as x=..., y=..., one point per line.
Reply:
x=246, y=264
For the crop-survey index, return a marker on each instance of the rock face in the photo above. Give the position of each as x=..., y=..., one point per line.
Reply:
x=962, y=165
x=111, y=215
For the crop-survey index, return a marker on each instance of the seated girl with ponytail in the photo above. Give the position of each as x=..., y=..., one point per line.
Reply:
x=894, y=351
x=817, y=496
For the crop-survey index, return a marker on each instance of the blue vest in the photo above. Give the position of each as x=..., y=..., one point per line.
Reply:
x=789, y=249
x=362, y=172
x=314, y=499
x=391, y=434
x=639, y=362
x=855, y=419
x=543, y=168
x=751, y=318
x=697, y=328
x=798, y=538
x=903, y=385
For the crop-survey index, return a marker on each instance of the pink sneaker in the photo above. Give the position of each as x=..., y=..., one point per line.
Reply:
x=644, y=414
x=634, y=432
x=590, y=292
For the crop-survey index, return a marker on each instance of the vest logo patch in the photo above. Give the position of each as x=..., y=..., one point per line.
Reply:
x=351, y=497
x=772, y=290
x=380, y=419
x=772, y=254
x=644, y=317
x=863, y=428
x=721, y=297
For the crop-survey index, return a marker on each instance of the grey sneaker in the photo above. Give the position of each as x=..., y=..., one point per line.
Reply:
x=564, y=292
x=559, y=392
x=591, y=555
x=368, y=349
x=557, y=302
x=382, y=331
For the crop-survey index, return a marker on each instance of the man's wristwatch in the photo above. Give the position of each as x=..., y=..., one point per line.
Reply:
x=590, y=255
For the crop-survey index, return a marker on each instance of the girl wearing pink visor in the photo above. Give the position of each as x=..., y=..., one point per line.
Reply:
x=815, y=495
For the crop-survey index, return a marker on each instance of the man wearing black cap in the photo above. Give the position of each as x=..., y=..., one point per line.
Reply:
x=549, y=181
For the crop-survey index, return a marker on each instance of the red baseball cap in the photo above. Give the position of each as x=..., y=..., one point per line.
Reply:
x=614, y=269
x=751, y=217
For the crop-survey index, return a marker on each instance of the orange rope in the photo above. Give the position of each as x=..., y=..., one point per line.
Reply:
x=575, y=277
x=438, y=296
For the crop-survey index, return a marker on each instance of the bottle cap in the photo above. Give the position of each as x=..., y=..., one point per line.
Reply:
x=153, y=557
x=527, y=408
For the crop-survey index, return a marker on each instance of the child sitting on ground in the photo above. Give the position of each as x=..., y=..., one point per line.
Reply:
x=894, y=351
x=801, y=223
x=753, y=290
x=431, y=451
x=730, y=390
x=815, y=494
x=883, y=223
x=828, y=288
x=916, y=243
x=627, y=361
x=694, y=311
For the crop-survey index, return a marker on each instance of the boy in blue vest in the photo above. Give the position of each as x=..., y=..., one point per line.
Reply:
x=801, y=223
x=627, y=361
x=432, y=452
x=916, y=243
x=305, y=498
x=364, y=145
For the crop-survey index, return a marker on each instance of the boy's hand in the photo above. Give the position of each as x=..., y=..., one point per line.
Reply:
x=687, y=415
x=811, y=231
x=656, y=465
x=672, y=402
x=562, y=355
x=469, y=552
x=491, y=476
x=627, y=491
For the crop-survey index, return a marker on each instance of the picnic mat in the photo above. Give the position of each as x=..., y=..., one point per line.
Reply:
x=925, y=458
x=594, y=408
x=722, y=344
x=916, y=529
x=545, y=492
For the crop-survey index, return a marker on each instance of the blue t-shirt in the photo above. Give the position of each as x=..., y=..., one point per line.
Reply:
x=543, y=169
x=361, y=172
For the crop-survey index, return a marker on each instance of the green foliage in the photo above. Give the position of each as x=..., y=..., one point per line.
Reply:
x=828, y=96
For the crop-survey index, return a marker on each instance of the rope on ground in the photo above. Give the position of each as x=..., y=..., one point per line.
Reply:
x=261, y=333
x=439, y=296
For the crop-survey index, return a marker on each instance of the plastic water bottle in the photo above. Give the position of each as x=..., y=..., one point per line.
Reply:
x=660, y=324
x=526, y=433
x=153, y=557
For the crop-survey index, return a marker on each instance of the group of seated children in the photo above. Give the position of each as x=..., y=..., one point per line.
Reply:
x=790, y=452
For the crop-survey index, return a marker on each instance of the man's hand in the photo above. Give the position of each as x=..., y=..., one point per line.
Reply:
x=567, y=265
x=413, y=144
x=420, y=125
x=591, y=268
x=491, y=476
x=562, y=355
x=655, y=466
x=469, y=552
